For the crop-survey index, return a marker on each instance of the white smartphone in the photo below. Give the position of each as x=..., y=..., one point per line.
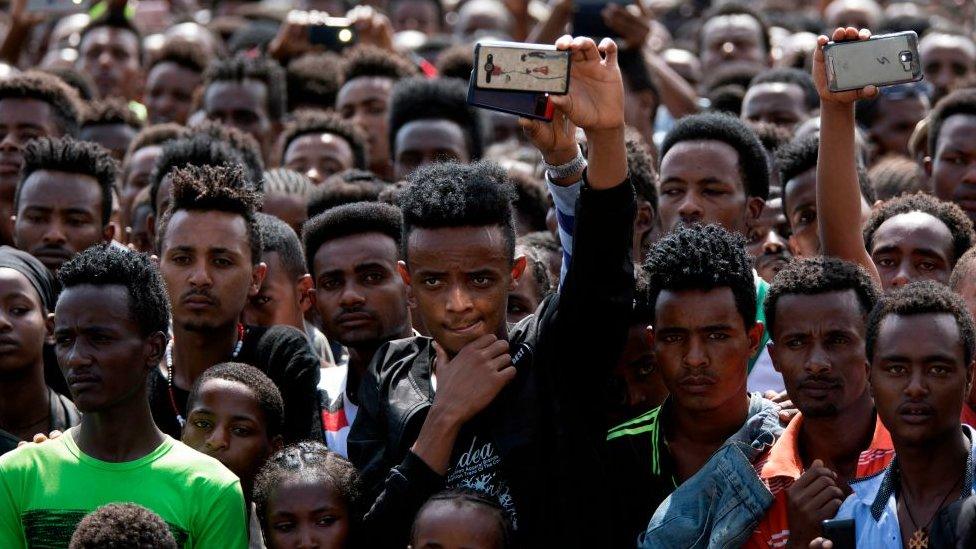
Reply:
x=883, y=60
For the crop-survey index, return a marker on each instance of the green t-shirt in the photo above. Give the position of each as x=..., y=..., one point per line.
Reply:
x=46, y=489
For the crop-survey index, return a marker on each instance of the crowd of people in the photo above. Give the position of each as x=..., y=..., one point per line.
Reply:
x=260, y=289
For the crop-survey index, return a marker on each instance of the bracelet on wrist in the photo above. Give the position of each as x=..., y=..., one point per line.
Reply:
x=562, y=171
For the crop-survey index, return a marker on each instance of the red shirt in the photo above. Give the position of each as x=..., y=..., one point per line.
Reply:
x=781, y=466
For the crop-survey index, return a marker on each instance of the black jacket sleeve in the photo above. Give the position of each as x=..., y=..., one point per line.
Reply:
x=293, y=366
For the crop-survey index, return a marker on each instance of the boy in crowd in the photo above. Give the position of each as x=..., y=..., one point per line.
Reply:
x=173, y=79
x=210, y=257
x=110, y=52
x=949, y=166
x=110, y=331
x=319, y=144
x=111, y=124
x=352, y=253
x=501, y=394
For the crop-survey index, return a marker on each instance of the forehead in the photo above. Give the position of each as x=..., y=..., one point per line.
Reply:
x=700, y=159
x=696, y=308
x=319, y=144
x=55, y=189
x=958, y=132
x=202, y=231
x=26, y=112
x=110, y=136
x=432, y=134
x=773, y=95
x=229, y=397
x=168, y=72
x=800, y=189
x=914, y=230
x=794, y=311
x=142, y=160
x=731, y=27
x=88, y=305
x=103, y=36
x=365, y=88
x=348, y=251
x=13, y=283
x=919, y=335
x=290, y=208
x=773, y=212
x=228, y=95
x=277, y=274
x=457, y=248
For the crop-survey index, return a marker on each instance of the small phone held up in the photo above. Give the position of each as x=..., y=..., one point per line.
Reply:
x=60, y=7
x=840, y=532
x=882, y=60
x=332, y=33
x=513, y=66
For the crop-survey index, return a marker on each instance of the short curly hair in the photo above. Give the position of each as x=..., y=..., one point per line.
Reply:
x=214, y=189
x=820, y=275
x=110, y=111
x=702, y=257
x=71, y=156
x=308, y=121
x=267, y=393
x=951, y=215
x=242, y=142
x=155, y=135
x=800, y=155
x=961, y=101
x=438, y=99
x=79, y=81
x=309, y=461
x=713, y=126
x=314, y=80
x=182, y=53
x=278, y=237
x=456, y=62
x=62, y=98
x=918, y=298
x=348, y=220
x=195, y=150
x=109, y=265
x=122, y=525
x=450, y=194
x=371, y=61
x=267, y=71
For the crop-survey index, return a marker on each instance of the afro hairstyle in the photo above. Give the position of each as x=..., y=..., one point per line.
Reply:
x=122, y=525
x=307, y=121
x=820, y=275
x=278, y=237
x=371, y=61
x=267, y=393
x=919, y=298
x=702, y=257
x=347, y=220
x=71, y=156
x=753, y=165
x=449, y=194
x=950, y=214
x=110, y=265
x=182, y=53
x=63, y=99
x=438, y=99
x=264, y=70
x=314, y=80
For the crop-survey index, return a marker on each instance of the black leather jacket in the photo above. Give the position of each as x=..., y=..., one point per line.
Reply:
x=547, y=424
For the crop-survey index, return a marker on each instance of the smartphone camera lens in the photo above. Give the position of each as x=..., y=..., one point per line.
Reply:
x=905, y=57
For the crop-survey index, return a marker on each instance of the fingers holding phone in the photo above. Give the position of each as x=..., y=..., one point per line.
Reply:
x=829, y=94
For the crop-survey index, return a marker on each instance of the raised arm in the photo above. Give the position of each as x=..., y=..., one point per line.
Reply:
x=838, y=194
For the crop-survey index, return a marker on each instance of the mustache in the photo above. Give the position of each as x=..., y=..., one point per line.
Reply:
x=820, y=380
x=200, y=293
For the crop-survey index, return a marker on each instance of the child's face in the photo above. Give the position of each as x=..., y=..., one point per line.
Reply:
x=449, y=525
x=227, y=423
x=302, y=513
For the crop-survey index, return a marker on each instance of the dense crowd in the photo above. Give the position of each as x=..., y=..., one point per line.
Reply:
x=261, y=288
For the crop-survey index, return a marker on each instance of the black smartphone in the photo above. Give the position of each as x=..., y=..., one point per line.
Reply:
x=535, y=105
x=840, y=532
x=588, y=18
x=334, y=33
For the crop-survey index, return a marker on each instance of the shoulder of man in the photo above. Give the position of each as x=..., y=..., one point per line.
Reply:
x=201, y=471
x=395, y=357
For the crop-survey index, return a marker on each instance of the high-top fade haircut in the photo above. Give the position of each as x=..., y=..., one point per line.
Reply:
x=714, y=126
x=820, y=275
x=450, y=194
x=262, y=69
x=918, y=298
x=438, y=99
x=215, y=189
x=196, y=150
x=62, y=98
x=71, y=156
x=109, y=265
x=702, y=257
x=348, y=220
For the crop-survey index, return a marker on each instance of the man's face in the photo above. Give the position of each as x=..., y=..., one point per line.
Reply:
x=635, y=385
x=726, y=38
x=169, y=92
x=524, y=299
x=702, y=347
x=164, y=195
x=819, y=350
x=947, y=60
x=911, y=247
x=226, y=422
x=459, y=278
x=304, y=512
x=801, y=200
x=111, y=57
x=895, y=123
x=207, y=265
x=358, y=294
x=139, y=237
x=20, y=121
x=280, y=299
x=423, y=142
x=701, y=182
x=954, y=163
x=418, y=15
x=242, y=105
x=101, y=351
x=365, y=101
x=114, y=137
x=767, y=240
x=23, y=324
x=290, y=208
x=137, y=171
x=919, y=377
x=318, y=155
x=776, y=103
x=59, y=215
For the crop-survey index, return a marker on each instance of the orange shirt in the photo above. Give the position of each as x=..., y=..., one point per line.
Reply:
x=781, y=466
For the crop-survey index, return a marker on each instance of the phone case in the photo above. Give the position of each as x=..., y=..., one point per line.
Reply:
x=511, y=66
x=883, y=60
x=532, y=105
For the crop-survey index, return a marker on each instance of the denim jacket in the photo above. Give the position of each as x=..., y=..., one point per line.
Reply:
x=720, y=505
